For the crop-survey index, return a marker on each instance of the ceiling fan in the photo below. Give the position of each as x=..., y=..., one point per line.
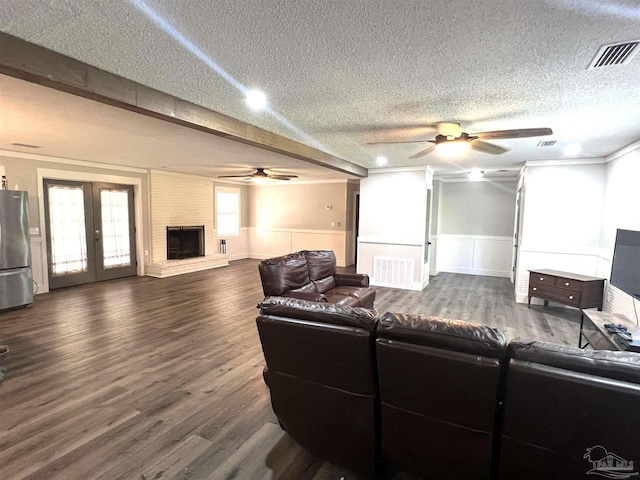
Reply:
x=260, y=174
x=451, y=140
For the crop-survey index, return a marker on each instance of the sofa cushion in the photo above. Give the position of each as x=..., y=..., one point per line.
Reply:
x=321, y=263
x=285, y=273
x=325, y=284
x=457, y=335
x=323, y=312
x=361, y=296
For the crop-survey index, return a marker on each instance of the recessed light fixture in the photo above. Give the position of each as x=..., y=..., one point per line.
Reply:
x=380, y=161
x=475, y=175
x=572, y=150
x=256, y=100
x=452, y=148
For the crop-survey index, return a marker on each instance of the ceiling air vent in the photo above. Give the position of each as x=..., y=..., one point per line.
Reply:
x=617, y=54
x=547, y=143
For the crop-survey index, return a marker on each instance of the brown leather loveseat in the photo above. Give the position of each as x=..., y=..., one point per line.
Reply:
x=311, y=275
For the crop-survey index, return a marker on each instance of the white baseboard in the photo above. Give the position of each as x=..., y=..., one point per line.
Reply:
x=478, y=271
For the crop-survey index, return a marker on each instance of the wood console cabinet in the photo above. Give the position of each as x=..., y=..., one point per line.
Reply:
x=567, y=288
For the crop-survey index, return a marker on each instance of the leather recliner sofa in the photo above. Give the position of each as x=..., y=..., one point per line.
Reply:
x=444, y=398
x=311, y=275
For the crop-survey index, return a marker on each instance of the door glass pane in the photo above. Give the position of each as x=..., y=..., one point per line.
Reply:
x=68, y=231
x=115, y=228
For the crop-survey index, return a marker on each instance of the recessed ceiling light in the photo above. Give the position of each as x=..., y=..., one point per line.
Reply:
x=255, y=100
x=572, y=150
x=380, y=161
x=475, y=175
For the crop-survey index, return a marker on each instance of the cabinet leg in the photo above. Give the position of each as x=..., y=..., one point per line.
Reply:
x=546, y=303
x=529, y=303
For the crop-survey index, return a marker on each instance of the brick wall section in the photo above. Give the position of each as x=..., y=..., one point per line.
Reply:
x=180, y=200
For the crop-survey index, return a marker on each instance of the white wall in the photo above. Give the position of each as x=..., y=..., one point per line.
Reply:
x=621, y=209
x=475, y=227
x=287, y=217
x=561, y=220
x=393, y=225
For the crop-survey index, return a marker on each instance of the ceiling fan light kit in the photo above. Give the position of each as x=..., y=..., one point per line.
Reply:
x=452, y=148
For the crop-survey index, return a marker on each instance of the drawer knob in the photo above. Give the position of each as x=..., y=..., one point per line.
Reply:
x=541, y=278
x=534, y=289
x=566, y=284
x=570, y=297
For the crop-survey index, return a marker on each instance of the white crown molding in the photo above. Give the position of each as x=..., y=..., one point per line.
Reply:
x=624, y=151
x=483, y=179
x=70, y=161
x=565, y=161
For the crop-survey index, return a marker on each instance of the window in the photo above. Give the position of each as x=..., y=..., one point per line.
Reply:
x=227, y=211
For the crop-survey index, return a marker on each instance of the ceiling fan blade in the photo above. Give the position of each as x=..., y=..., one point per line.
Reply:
x=234, y=176
x=486, y=147
x=400, y=141
x=422, y=153
x=283, y=177
x=517, y=133
x=449, y=129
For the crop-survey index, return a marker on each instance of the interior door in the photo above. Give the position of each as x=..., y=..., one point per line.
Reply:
x=90, y=232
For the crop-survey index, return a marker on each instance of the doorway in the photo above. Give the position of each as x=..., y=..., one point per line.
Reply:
x=516, y=237
x=90, y=231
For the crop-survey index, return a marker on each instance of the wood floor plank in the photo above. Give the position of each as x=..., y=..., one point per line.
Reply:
x=143, y=377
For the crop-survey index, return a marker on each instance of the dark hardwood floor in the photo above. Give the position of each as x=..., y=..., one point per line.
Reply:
x=146, y=378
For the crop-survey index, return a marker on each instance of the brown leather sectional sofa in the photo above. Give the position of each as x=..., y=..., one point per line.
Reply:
x=446, y=399
x=311, y=275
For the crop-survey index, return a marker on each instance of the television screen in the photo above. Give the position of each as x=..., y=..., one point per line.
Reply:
x=625, y=268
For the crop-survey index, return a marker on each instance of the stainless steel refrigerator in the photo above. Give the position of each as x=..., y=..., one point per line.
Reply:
x=16, y=278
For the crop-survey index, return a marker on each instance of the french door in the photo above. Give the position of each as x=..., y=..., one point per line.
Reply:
x=90, y=232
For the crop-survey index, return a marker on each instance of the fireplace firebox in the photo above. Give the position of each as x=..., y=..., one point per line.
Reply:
x=185, y=242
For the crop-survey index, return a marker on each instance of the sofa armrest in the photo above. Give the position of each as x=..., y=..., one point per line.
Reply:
x=309, y=296
x=351, y=279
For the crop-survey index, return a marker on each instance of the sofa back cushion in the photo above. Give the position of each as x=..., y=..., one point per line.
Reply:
x=321, y=263
x=281, y=274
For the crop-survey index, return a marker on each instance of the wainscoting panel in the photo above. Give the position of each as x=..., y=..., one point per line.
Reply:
x=585, y=263
x=474, y=254
x=371, y=251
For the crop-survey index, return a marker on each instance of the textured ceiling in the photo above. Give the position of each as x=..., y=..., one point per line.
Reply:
x=341, y=73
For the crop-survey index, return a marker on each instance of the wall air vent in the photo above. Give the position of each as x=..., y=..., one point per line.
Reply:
x=547, y=143
x=393, y=272
x=616, y=54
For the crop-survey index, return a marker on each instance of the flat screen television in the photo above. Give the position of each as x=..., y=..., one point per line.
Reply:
x=625, y=268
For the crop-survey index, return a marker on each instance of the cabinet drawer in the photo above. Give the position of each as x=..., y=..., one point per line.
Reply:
x=555, y=294
x=568, y=284
x=542, y=279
